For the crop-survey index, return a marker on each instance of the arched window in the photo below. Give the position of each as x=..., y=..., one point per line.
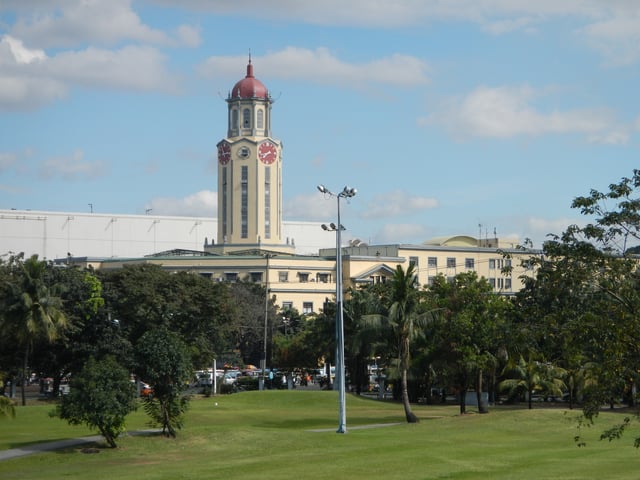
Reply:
x=260, y=118
x=246, y=118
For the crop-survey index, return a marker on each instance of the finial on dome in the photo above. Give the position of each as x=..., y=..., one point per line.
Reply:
x=249, y=67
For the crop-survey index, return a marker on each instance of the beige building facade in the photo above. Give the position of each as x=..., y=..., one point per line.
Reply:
x=253, y=242
x=306, y=282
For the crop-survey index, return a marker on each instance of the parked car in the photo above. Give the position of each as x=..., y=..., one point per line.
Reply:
x=146, y=390
x=231, y=376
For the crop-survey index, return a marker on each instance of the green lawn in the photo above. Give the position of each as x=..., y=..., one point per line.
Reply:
x=271, y=435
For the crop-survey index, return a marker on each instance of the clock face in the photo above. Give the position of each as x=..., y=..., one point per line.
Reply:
x=244, y=152
x=224, y=153
x=267, y=152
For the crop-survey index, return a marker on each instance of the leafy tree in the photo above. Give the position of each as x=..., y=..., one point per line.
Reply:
x=364, y=342
x=468, y=337
x=403, y=317
x=89, y=331
x=32, y=309
x=600, y=271
x=7, y=408
x=101, y=396
x=145, y=297
x=163, y=360
x=247, y=321
x=531, y=376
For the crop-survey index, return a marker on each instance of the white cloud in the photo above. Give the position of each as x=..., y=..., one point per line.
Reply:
x=188, y=35
x=200, y=204
x=7, y=160
x=312, y=207
x=500, y=27
x=397, y=203
x=71, y=23
x=401, y=233
x=30, y=79
x=610, y=26
x=613, y=137
x=10, y=46
x=511, y=111
x=539, y=229
x=400, y=13
x=72, y=167
x=322, y=66
x=617, y=36
x=131, y=67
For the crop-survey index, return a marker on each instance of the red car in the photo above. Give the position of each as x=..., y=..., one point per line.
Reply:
x=145, y=390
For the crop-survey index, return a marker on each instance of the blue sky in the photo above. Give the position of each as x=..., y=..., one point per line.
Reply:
x=449, y=117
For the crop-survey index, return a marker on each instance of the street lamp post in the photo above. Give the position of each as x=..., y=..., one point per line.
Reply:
x=263, y=360
x=340, y=363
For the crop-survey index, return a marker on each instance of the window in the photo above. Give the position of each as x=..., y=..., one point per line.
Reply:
x=469, y=263
x=432, y=262
x=231, y=276
x=492, y=263
x=260, y=118
x=492, y=282
x=287, y=305
x=246, y=118
x=234, y=119
x=267, y=202
x=507, y=284
x=224, y=204
x=256, y=277
x=451, y=262
x=303, y=277
x=307, y=307
x=413, y=261
x=322, y=277
x=244, y=203
x=283, y=277
x=378, y=279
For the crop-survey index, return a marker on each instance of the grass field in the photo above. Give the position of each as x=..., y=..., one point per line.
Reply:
x=291, y=434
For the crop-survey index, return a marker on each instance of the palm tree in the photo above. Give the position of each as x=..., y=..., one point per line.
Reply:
x=6, y=408
x=531, y=376
x=403, y=318
x=32, y=312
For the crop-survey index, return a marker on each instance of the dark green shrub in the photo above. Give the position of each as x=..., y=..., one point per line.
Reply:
x=247, y=383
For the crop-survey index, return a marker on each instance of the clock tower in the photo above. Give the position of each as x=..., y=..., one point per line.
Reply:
x=249, y=173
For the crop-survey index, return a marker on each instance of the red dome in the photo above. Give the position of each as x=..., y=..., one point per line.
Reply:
x=249, y=86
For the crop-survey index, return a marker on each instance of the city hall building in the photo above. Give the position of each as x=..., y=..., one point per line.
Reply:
x=249, y=239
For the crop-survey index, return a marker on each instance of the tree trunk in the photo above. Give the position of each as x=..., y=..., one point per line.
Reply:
x=109, y=437
x=409, y=415
x=482, y=408
x=24, y=376
x=463, y=401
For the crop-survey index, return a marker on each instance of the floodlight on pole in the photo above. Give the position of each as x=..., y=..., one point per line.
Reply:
x=340, y=362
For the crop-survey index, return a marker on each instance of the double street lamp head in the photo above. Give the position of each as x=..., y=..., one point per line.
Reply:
x=347, y=192
x=332, y=227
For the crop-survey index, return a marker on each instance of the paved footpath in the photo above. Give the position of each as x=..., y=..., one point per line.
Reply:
x=46, y=447
x=59, y=444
